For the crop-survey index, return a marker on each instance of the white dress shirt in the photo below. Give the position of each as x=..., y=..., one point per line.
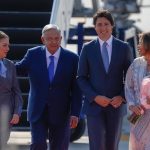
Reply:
x=109, y=46
x=56, y=58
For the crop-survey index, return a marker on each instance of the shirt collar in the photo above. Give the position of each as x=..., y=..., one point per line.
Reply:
x=56, y=54
x=109, y=41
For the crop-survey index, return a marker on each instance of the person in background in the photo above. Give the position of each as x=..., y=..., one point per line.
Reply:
x=102, y=68
x=139, y=70
x=54, y=101
x=10, y=94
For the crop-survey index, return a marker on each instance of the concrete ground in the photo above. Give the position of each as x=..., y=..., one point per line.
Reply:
x=21, y=141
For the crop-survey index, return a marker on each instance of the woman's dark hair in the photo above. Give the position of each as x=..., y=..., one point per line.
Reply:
x=3, y=35
x=103, y=13
x=144, y=39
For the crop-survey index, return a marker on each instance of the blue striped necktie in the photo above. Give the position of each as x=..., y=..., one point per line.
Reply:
x=51, y=68
x=105, y=56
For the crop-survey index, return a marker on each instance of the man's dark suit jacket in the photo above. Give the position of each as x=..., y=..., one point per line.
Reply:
x=62, y=96
x=93, y=79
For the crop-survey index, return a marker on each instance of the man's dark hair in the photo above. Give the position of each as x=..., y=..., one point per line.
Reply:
x=103, y=13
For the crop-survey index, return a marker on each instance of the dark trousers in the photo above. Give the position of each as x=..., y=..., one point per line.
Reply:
x=43, y=129
x=104, y=129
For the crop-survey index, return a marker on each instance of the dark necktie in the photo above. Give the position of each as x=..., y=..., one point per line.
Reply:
x=51, y=68
x=105, y=56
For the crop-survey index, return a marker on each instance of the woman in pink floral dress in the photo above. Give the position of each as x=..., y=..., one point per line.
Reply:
x=138, y=70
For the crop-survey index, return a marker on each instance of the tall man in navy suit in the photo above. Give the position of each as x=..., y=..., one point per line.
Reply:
x=102, y=67
x=54, y=98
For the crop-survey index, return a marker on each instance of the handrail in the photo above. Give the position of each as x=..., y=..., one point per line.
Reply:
x=61, y=15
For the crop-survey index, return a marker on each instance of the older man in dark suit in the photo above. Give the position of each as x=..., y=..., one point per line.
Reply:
x=102, y=67
x=54, y=97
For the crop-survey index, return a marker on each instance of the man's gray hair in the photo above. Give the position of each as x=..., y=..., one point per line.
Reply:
x=49, y=27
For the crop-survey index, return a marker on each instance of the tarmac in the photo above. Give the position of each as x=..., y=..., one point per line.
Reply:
x=22, y=140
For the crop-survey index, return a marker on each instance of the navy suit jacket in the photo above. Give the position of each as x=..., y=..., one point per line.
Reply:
x=62, y=95
x=93, y=79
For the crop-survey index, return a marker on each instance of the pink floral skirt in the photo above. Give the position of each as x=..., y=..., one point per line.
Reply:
x=140, y=133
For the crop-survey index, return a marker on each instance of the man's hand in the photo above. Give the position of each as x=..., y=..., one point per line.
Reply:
x=15, y=119
x=102, y=100
x=116, y=101
x=74, y=121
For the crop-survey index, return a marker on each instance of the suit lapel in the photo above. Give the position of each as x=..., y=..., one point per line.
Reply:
x=99, y=55
x=60, y=65
x=113, y=55
x=44, y=64
x=7, y=82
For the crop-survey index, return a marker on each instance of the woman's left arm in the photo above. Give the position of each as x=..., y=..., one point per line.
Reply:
x=18, y=102
x=129, y=86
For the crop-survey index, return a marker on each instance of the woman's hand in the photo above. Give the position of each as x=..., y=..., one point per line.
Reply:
x=137, y=109
x=148, y=100
x=15, y=119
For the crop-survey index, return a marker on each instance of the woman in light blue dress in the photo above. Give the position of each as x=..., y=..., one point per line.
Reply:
x=140, y=68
